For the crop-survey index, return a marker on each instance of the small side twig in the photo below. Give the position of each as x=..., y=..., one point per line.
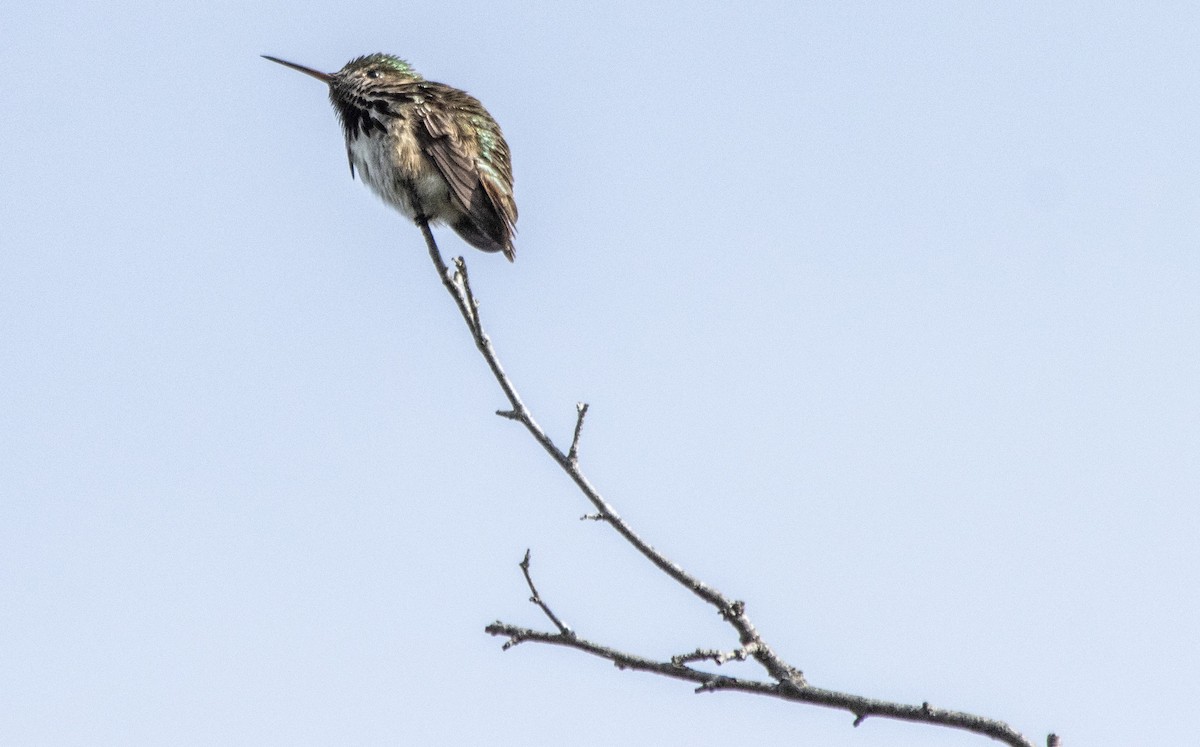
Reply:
x=460, y=274
x=713, y=655
x=581, y=409
x=563, y=629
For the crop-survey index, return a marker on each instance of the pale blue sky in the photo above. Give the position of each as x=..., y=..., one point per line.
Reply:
x=887, y=317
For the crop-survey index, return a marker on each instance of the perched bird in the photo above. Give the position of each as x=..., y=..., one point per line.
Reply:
x=429, y=150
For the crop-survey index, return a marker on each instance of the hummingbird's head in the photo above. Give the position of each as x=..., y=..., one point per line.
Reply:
x=363, y=91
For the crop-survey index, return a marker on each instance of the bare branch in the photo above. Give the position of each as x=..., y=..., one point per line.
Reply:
x=709, y=682
x=787, y=681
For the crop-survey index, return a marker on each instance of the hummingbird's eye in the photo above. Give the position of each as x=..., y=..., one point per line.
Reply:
x=373, y=73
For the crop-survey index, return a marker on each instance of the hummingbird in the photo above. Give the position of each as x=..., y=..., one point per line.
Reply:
x=427, y=149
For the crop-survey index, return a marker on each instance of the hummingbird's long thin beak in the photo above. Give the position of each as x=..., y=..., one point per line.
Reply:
x=323, y=77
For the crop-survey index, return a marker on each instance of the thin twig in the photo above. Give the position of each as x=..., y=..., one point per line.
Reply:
x=710, y=654
x=563, y=629
x=460, y=274
x=581, y=409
